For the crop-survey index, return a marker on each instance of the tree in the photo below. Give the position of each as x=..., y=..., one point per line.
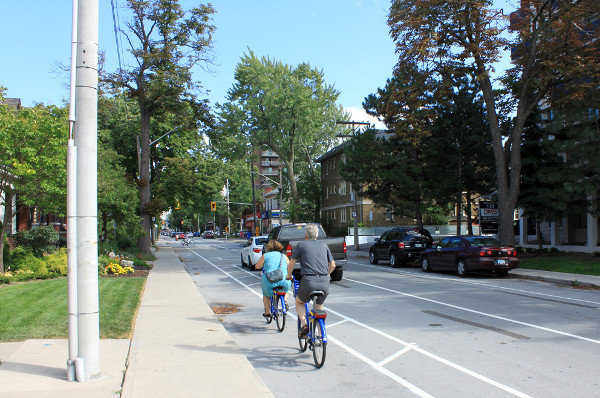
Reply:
x=556, y=55
x=458, y=155
x=33, y=144
x=166, y=42
x=290, y=110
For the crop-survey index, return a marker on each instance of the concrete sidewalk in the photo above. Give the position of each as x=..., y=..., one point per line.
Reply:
x=179, y=349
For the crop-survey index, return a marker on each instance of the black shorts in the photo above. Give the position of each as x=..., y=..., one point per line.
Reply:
x=310, y=283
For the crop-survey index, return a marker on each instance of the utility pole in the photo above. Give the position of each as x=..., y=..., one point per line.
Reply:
x=86, y=137
x=228, y=226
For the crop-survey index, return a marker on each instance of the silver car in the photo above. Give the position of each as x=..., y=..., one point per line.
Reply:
x=252, y=250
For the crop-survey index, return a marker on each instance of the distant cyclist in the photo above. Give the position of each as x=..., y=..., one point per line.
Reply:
x=316, y=263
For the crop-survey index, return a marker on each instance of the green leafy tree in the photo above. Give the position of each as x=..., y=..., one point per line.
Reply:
x=33, y=144
x=166, y=43
x=556, y=49
x=290, y=110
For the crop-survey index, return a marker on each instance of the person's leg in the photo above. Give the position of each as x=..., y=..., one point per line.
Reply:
x=267, y=304
x=301, y=311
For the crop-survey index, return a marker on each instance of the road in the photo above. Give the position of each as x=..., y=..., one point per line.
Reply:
x=398, y=332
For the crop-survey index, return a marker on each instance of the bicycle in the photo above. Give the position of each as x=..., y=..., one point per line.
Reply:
x=278, y=308
x=188, y=242
x=316, y=339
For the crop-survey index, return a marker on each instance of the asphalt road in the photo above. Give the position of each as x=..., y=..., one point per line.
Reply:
x=403, y=333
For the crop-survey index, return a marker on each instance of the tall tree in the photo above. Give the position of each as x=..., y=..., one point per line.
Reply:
x=290, y=110
x=556, y=52
x=166, y=43
x=33, y=144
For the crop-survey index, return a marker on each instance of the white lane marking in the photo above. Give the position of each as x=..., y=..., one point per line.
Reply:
x=396, y=355
x=477, y=312
x=454, y=280
x=380, y=368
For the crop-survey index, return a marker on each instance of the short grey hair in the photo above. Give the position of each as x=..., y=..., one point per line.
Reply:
x=312, y=231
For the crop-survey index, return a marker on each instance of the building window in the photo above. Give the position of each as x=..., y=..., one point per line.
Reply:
x=343, y=188
x=333, y=218
x=343, y=215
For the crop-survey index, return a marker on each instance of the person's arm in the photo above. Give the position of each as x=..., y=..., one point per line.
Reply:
x=331, y=266
x=290, y=268
x=260, y=263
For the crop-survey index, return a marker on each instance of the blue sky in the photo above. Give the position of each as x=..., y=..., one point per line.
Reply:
x=347, y=39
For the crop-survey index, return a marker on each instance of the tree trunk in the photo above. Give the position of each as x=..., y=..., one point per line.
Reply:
x=469, y=214
x=538, y=235
x=144, y=181
x=8, y=199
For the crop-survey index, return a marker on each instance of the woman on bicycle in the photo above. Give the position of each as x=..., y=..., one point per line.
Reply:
x=270, y=261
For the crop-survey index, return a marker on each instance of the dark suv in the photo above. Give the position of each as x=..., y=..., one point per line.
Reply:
x=400, y=245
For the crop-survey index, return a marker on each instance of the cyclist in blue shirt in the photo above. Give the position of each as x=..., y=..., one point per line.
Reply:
x=271, y=260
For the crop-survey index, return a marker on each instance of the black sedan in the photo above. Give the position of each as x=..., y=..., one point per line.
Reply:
x=470, y=253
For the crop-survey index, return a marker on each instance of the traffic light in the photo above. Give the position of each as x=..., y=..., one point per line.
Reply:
x=177, y=207
x=225, y=230
x=213, y=206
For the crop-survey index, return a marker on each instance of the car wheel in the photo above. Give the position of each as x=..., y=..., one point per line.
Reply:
x=425, y=264
x=336, y=275
x=250, y=265
x=242, y=259
x=461, y=268
x=501, y=272
x=394, y=260
x=373, y=258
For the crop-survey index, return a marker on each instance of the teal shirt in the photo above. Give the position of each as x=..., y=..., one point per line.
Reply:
x=273, y=260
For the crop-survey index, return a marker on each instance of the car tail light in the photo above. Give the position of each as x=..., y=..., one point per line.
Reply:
x=511, y=252
x=400, y=245
x=484, y=253
x=288, y=250
x=344, y=246
x=257, y=250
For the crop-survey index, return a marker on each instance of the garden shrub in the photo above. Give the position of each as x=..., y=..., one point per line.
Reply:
x=41, y=239
x=29, y=263
x=57, y=262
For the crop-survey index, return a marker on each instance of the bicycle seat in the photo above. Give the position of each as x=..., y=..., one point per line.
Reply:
x=316, y=293
x=279, y=290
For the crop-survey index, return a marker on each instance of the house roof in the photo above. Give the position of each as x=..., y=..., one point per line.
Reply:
x=333, y=152
x=14, y=102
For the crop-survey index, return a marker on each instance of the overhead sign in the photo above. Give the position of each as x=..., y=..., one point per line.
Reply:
x=488, y=217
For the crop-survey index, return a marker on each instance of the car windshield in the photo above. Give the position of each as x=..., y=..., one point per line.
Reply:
x=484, y=241
x=260, y=241
x=297, y=233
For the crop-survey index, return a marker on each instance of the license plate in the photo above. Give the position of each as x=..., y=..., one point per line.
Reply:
x=418, y=245
x=501, y=262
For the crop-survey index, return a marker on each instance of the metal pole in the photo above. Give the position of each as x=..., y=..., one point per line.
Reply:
x=228, y=226
x=72, y=212
x=86, y=136
x=280, y=198
x=253, y=200
x=356, y=246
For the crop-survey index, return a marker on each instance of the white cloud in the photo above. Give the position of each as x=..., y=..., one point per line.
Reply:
x=359, y=115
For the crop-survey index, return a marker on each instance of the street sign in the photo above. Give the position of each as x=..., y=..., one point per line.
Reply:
x=488, y=217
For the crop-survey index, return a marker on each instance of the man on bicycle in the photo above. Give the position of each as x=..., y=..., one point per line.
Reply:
x=316, y=263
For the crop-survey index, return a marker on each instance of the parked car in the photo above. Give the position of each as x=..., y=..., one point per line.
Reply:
x=179, y=235
x=400, y=245
x=252, y=250
x=209, y=235
x=197, y=234
x=464, y=254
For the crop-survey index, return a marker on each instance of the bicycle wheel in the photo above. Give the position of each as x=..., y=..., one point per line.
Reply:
x=192, y=242
x=280, y=313
x=183, y=243
x=302, y=341
x=319, y=343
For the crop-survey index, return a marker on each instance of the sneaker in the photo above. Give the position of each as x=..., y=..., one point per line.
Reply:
x=267, y=314
x=303, y=332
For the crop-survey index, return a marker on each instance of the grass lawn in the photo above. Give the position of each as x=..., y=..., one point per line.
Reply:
x=38, y=310
x=574, y=263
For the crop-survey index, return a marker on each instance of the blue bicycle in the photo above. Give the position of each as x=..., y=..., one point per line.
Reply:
x=278, y=308
x=316, y=340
